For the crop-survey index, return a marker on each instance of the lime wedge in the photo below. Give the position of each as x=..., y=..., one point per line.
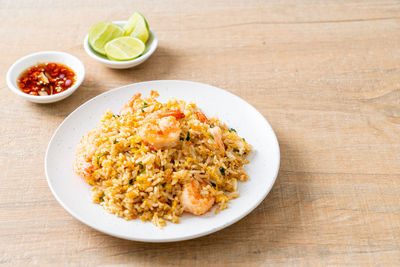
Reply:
x=124, y=48
x=101, y=33
x=137, y=27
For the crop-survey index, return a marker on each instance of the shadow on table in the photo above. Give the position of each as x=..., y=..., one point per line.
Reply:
x=161, y=65
x=271, y=226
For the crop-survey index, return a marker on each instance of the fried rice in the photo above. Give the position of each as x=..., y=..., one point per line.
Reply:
x=134, y=179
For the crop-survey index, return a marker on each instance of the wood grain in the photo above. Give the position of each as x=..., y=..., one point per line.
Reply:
x=324, y=73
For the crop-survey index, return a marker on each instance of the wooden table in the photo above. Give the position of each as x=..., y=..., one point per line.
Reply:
x=326, y=74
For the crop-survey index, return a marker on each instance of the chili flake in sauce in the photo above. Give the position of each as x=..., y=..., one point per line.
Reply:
x=46, y=79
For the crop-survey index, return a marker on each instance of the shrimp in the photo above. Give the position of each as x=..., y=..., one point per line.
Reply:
x=83, y=167
x=83, y=161
x=194, y=201
x=202, y=117
x=161, y=129
x=217, y=136
x=129, y=107
x=215, y=132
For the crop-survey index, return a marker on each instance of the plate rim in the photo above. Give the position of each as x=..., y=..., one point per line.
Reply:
x=164, y=240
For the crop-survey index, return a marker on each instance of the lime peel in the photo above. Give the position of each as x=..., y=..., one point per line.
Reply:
x=124, y=48
x=137, y=27
x=101, y=33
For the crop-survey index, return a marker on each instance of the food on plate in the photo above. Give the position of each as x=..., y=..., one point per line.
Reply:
x=120, y=43
x=45, y=79
x=155, y=161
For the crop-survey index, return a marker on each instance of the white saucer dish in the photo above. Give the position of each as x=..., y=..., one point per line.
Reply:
x=151, y=46
x=44, y=57
x=74, y=194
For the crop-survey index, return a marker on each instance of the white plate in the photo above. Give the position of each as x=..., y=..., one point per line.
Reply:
x=75, y=195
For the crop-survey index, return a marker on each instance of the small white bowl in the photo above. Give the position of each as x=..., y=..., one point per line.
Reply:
x=151, y=46
x=43, y=57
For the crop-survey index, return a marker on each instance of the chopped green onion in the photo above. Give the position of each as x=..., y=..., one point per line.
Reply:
x=115, y=115
x=181, y=138
x=131, y=181
x=232, y=130
x=99, y=156
x=145, y=105
x=244, y=139
x=222, y=170
x=115, y=141
x=141, y=166
x=187, y=136
x=211, y=135
x=244, y=153
x=101, y=198
x=235, y=150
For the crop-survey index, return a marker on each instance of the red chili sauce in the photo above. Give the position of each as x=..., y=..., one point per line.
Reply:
x=46, y=79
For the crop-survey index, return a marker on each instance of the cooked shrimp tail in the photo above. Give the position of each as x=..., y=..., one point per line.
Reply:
x=129, y=107
x=216, y=132
x=202, y=117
